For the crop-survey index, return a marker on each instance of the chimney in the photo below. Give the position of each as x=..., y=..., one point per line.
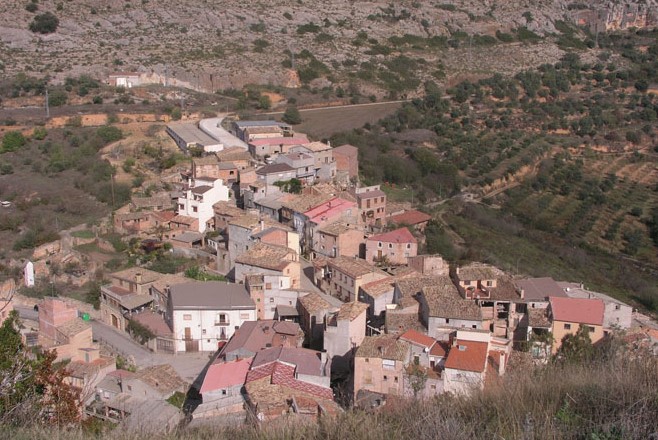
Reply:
x=262, y=225
x=138, y=278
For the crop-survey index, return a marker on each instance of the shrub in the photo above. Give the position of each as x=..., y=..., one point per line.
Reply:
x=12, y=141
x=292, y=116
x=109, y=134
x=32, y=7
x=45, y=23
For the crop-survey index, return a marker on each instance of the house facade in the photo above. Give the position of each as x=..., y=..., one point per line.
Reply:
x=202, y=314
x=393, y=247
x=568, y=315
x=379, y=365
x=198, y=198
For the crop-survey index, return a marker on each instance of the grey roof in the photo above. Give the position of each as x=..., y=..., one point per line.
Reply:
x=307, y=361
x=254, y=336
x=284, y=310
x=191, y=134
x=210, y=295
x=539, y=289
x=274, y=168
x=189, y=237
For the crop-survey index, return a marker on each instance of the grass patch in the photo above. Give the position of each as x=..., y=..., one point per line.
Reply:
x=85, y=233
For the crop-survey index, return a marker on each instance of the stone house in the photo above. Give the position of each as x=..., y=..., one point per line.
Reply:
x=379, y=365
x=393, y=247
x=347, y=162
x=267, y=259
x=340, y=238
x=342, y=277
x=343, y=333
x=412, y=218
x=371, y=202
x=313, y=310
x=127, y=293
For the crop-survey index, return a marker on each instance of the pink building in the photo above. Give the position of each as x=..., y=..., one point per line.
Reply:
x=371, y=202
x=340, y=238
x=393, y=247
x=347, y=161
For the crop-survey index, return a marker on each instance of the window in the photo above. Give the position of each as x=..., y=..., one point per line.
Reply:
x=187, y=317
x=268, y=285
x=474, y=326
x=195, y=209
x=203, y=331
x=385, y=377
x=223, y=392
x=567, y=326
x=244, y=316
x=395, y=379
x=467, y=283
x=388, y=363
x=408, y=245
x=489, y=283
x=271, y=300
x=390, y=245
x=130, y=388
x=617, y=307
x=367, y=360
x=379, y=244
x=591, y=329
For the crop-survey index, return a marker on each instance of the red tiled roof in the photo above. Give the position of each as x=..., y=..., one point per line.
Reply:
x=579, y=310
x=418, y=338
x=412, y=217
x=224, y=375
x=472, y=356
x=439, y=349
x=284, y=374
x=401, y=235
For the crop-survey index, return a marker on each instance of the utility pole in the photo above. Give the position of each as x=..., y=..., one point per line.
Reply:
x=165, y=76
x=47, y=105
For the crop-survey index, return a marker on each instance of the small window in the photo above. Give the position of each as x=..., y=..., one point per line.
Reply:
x=204, y=331
x=395, y=379
x=223, y=392
x=130, y=388
x=617, y=307
x=447, y=320
x=187, y=317
x=474, y=326
x=379, y=244
x=271, y=300
x=591, y=329
x=390, y=245
x=467, y=283
x=489, y=283
x=367, y=360
x=408, y=245
x=567, y=326
x=385, y=377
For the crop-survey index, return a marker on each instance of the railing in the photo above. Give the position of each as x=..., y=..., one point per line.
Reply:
x=222, y=323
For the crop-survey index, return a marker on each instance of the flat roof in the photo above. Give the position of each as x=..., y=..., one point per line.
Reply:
x=191, y=134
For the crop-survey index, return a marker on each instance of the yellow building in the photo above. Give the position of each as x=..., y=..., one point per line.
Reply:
x=569, y=314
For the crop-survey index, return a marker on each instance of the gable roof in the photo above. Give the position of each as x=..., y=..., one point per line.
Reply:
x=539, y=289
x=225, y=375
x=383, y=347
x=351, y=310
x=354, y=267
x=445, y=301
x=274, y=168
x=297, y=139
x=133, y=273
x=284, y=375
x=418, y=338
x=267, y=256
x=468, y=356
x=578, y=310
x=162, y=378
x=401, y=235
x=411, y=217
x=253, y=336
x=347, y=150
x=210, y=295
x=314, y=303
x=307, y=362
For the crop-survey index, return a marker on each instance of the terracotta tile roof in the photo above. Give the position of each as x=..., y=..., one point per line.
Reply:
x=375, y=289
x=383, y=347
x=168, y=280
x=284, y=375
x=73, y=327
x=445, y=301
x=371, y=194
x=413, y=285
x=328, y=209
x=418, y=338
x=317, y=146
x=399, y=321
x=233, y=153
x=505, y=289
x=131, y=274
x=354, y=267
x=314, y=303
x=304, y=202
x=477, y=272
x=225, y=375
x=440, y=349
x=411, y=218
x=227, y=208
x=267, y=256
x=154, y=322
x=351, y=310
x=578, y=310
x=162, y=378
x=245, y=220
x=468, y=356
x=184, y=220
x=337, y=227
x=401, y=235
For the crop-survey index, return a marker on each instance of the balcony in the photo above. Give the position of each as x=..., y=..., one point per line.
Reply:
x=222, y=323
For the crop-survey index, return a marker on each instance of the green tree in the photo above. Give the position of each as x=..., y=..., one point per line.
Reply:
x=417, y=377
x=12, y=141
x=45, y=23
x=109, y=134
x=576, y=347
x=292, y=116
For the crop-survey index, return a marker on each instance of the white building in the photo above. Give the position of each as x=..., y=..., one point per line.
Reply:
x=201, y=314
x=199, y=195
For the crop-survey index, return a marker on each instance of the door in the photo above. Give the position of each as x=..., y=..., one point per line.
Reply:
x=188, y=333
x=115, y=321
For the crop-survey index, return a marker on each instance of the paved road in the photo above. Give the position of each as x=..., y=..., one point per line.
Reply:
x=213, y=127
x=308, y=284
x=187, y=365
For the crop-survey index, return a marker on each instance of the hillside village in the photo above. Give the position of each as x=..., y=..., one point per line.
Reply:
x=321, y=298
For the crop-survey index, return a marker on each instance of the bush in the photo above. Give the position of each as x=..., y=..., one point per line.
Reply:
x=109, y=134
x=32, y=7
x=12, y=141
x=292, y=116
x=45, y=23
